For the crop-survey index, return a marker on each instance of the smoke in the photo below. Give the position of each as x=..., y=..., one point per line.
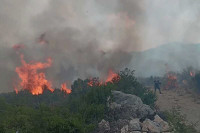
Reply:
x=87, y=38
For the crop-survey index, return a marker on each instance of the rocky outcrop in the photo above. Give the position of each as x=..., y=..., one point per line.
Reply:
x=127, y=106
x=128, y=114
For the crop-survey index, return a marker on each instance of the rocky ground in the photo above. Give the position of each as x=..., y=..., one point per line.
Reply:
x=127, y=114
x=185, y=101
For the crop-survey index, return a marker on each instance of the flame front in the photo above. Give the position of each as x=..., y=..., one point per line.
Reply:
x=192, y=74
x=32, y=80
x=65, y=89
x=171, y=81
x=111, y=75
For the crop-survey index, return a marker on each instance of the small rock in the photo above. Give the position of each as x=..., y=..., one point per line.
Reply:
x=157, y=119
x=104, y=126
x=150, y=126
x=163, y=124
x=124, y=129
x=134, y=125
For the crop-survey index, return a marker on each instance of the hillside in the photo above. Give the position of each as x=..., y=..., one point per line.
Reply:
x=186, y=103
x=169, y=57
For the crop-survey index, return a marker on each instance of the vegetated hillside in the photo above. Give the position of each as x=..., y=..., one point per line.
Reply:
x=169, y=57
x=79, y=112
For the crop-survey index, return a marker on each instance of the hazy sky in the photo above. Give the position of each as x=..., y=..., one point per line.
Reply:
x=141, y=24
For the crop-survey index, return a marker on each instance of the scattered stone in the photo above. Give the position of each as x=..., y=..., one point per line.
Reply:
x=125, y=129
x=104, y=126
x=150, y=126
x=134, y=125
x=163, y=124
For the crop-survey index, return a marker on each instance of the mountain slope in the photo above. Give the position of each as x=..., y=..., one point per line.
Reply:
x=169, y=57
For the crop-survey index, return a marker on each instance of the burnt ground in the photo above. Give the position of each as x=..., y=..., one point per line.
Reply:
x=186, y=102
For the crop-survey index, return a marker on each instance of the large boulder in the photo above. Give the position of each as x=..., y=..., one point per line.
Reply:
x=127, y=106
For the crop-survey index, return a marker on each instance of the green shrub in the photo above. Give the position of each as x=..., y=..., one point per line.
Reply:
x=129, y=84
x=178, y=123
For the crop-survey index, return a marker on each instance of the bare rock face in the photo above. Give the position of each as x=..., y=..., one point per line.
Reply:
x=126, y=113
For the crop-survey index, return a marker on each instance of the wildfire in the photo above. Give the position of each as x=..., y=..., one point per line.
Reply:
x=192, y=74
x=111, y=75
x=90, y=83
x=16, y=90
x=32, y=80
x=95, y=82
x=172, y=77
x=65, y=89
x=171, y=81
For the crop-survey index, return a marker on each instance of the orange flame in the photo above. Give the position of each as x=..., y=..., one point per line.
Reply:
x=171, y=77
x=192, y=74
x=16, y=90
x=32, y=80
x=65, y=89
x=171, y=81
x=111, y=75
x=90, y=83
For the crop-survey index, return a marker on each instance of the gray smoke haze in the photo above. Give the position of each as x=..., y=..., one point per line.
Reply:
x=87, y=38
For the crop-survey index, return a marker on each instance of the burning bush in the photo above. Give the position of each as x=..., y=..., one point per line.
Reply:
x=32, y=80
x=170, y=80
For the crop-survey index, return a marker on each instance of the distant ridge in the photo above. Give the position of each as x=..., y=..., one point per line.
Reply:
x=174, y=57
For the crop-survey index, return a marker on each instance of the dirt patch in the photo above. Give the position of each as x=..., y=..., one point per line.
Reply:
x=186, y=102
